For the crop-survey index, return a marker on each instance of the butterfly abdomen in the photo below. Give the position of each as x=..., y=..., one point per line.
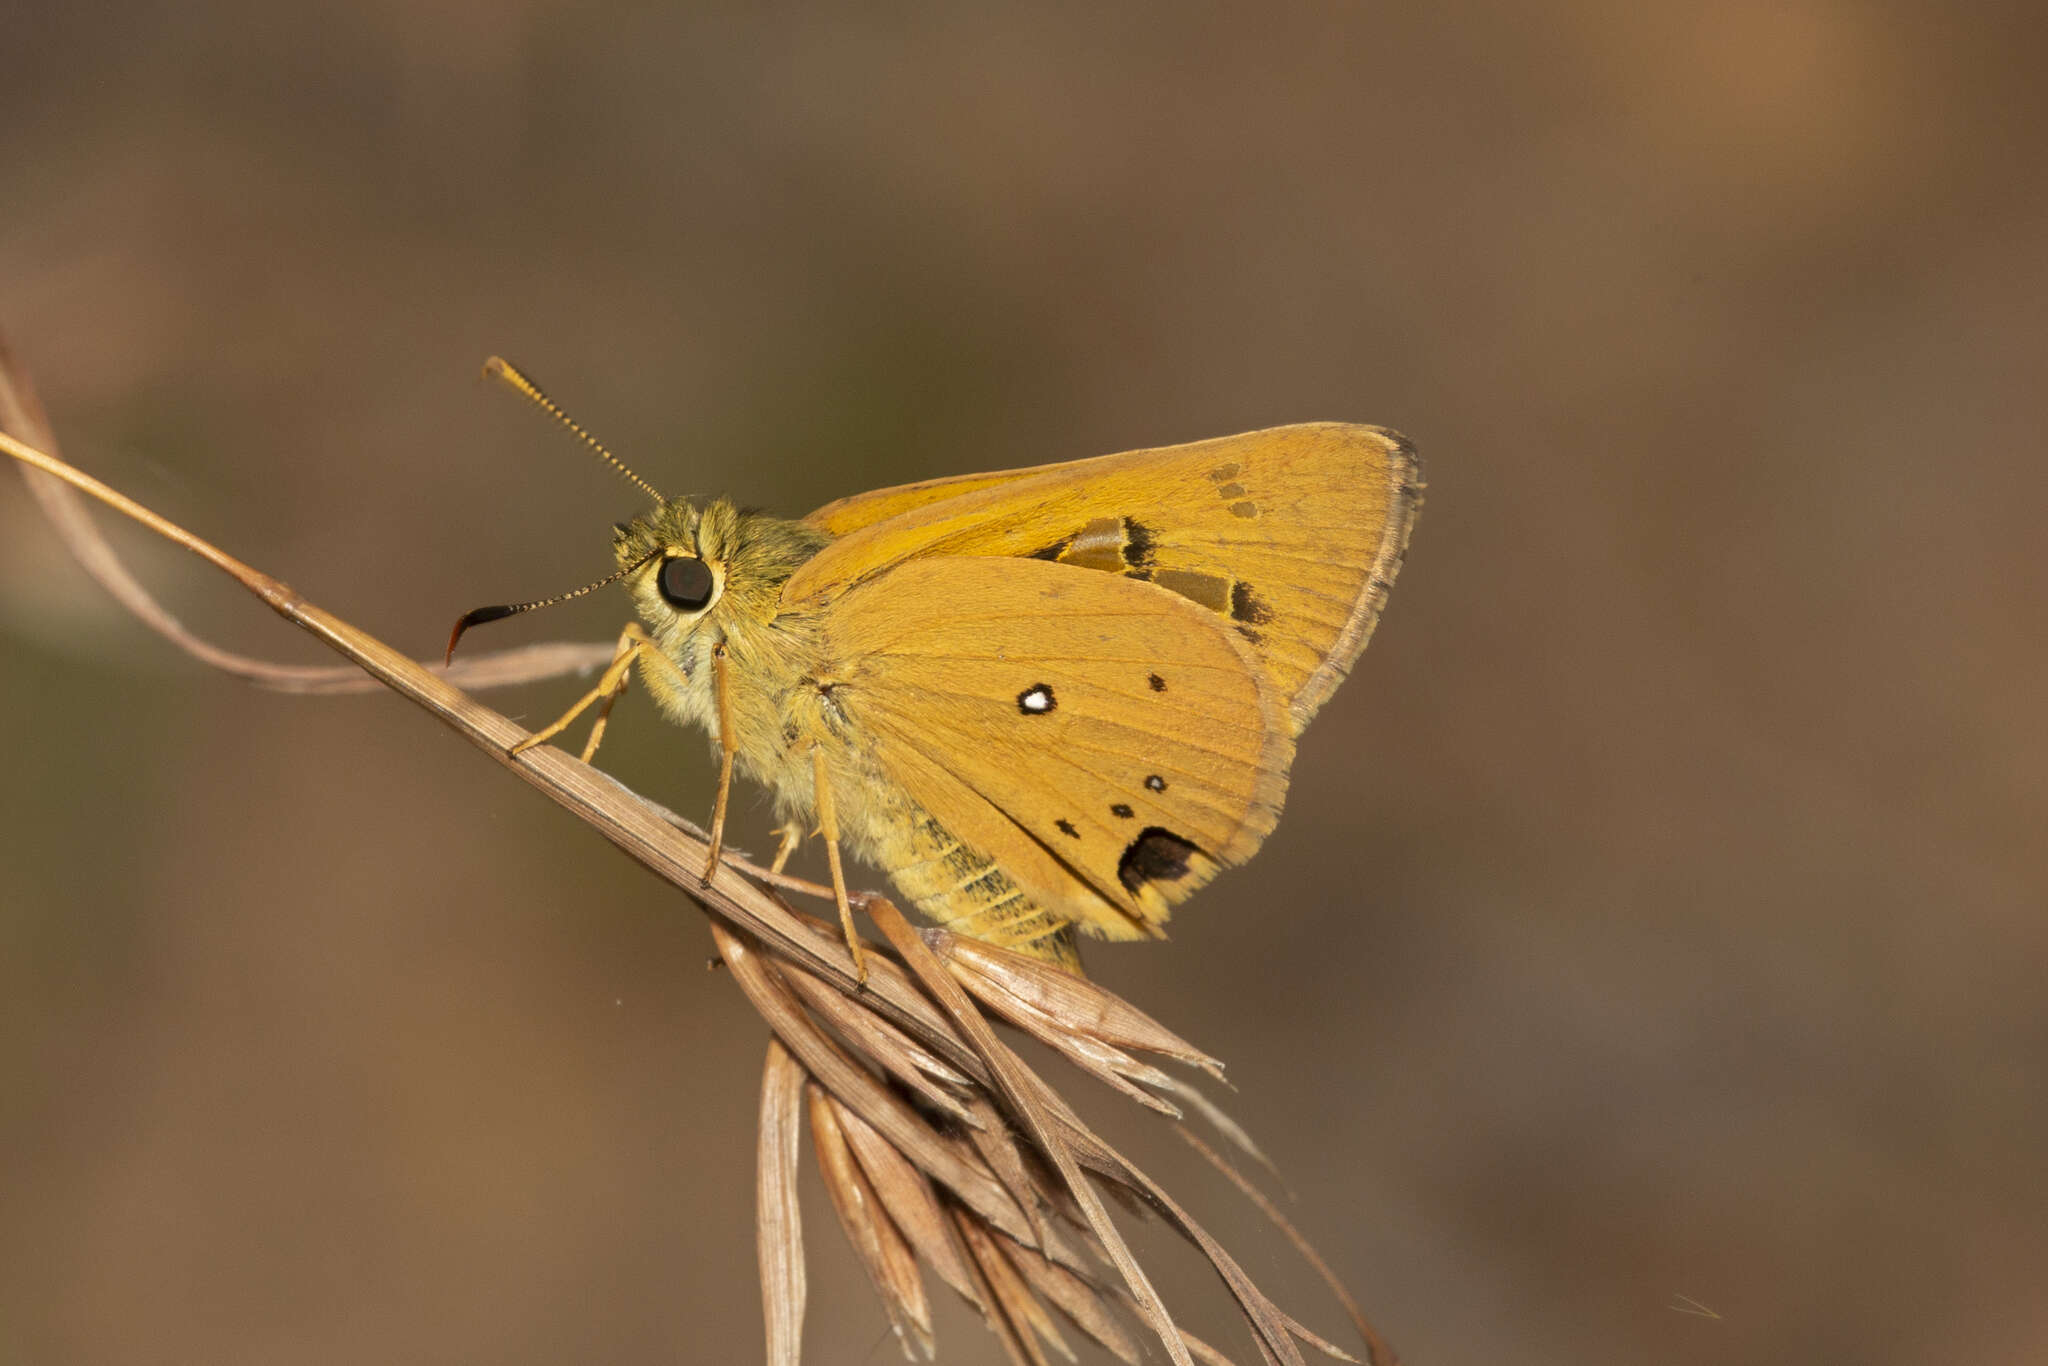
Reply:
x=950, y=882
x=967, y=892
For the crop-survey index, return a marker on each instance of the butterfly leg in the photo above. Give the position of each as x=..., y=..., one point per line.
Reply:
x=828, y=826
x=633, y=641
x=721, y=681
x=792, y=836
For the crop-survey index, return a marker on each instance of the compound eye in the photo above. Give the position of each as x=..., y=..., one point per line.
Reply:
x=685, y=583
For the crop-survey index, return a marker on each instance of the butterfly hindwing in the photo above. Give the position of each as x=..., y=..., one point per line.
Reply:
x=1109, y=742
x=1290, y=536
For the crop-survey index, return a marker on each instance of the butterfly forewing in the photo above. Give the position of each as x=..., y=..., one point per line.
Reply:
x=1108, y=741
x=1290, y=537
x=865, y=509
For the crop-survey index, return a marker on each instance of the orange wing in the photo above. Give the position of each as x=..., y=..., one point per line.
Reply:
x=1291, y=536
x=1109, y=743
x=866, y=509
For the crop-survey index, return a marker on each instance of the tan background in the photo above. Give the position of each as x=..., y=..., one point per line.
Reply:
x=1659, y=911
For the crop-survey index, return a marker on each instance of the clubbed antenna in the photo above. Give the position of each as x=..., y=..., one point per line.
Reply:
x=498, y=368
x=512, y=609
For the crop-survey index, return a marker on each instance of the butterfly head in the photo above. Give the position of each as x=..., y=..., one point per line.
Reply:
x=716, y=570
x=676, y=579
x=677, y=560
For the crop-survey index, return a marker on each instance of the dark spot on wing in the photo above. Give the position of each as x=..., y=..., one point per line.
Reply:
x=1067, y=828
x=1051, y=552
x=1227, y=470
x=1138, y=543
x=1158, y=683
x=1231, y=490
x=1245, y=509
x=1245, y=605
x=1121, y=811
x=1156, y=855
x=1155, y=782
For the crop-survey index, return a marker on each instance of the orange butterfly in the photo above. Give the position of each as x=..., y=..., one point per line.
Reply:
x=1040, y=699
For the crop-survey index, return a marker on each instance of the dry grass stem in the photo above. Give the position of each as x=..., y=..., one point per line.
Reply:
x=937, y=1084
x=944, y=1159
x=891, y=1265
x=1025, y=1314
x=780, y=1234
x=911, y=1201
x=1022, y=1096
x=1079, y=1299
x=937, y=1143
x=1018, y=1345
x=1208, y=1355
x=1219, y=1120
x=22, y=416
x=1035, y=995
x=1377, y=1350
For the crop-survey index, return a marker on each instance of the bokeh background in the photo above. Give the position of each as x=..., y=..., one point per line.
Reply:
x=1649, y=967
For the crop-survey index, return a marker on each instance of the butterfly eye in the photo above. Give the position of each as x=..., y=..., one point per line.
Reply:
x=685, y=583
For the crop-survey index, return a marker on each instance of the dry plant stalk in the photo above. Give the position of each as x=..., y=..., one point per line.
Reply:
x=937, y=1143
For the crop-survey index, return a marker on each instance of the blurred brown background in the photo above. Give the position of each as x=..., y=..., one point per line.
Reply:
x=1659, y=911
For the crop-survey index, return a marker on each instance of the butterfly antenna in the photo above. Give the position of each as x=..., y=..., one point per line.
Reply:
x=498, y=368
x=513, y=609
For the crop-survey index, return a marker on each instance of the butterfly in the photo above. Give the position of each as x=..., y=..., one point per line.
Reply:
x=1041, y=700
